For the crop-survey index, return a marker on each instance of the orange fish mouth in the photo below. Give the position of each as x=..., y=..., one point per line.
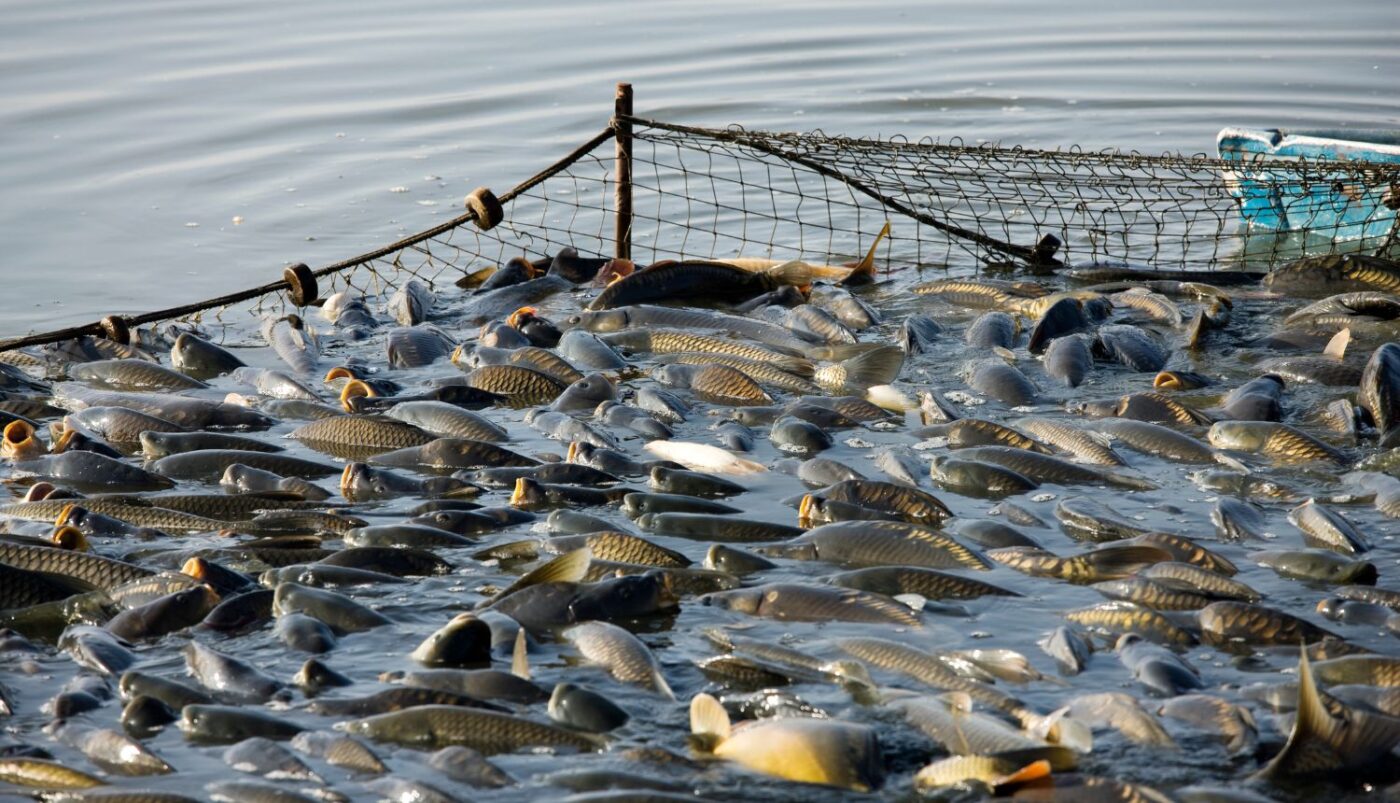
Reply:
x=519, y=496
x=572, y=456
x=19, y=441
x=69, y=538
x=347, y=477
x=67, y=516
x=354, y=389
x=806, y=507
x=196, y=568
x=339, y=372
x=517, y=318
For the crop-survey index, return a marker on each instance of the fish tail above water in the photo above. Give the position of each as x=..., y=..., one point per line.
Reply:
x=709, y=722
x=1321, y=743
x=864, y=271
x=878, y=366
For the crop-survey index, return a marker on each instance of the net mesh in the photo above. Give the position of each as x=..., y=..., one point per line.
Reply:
x=716, y=193
x=722, y=193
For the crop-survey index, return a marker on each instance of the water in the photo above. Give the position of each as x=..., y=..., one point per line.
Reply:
x=135, y=134
x=328, y=133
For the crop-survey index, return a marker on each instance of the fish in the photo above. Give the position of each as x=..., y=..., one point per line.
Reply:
x=1232, y=724
x=489, y=732
x=825, y=752
x=877, y=543
x=716, y=282
x=621, y=653
x=703, y=457
x=1324, y=742
x=803, y=603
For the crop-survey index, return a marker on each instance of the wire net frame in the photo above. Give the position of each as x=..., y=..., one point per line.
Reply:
x=706, y=193
x=701, y=193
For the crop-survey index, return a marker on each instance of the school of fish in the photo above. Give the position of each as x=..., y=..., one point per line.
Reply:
x=738, y=529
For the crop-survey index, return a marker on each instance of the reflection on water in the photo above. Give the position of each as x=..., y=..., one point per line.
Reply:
x=136, y=133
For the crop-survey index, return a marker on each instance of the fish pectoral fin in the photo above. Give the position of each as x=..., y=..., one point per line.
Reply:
x=708, y=718
x=794, y=272
x=1031, y=772
x=520, y=656
x=569, y=567
x=658, y=680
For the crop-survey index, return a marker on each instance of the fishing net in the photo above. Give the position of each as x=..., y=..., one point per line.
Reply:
x=701, y=193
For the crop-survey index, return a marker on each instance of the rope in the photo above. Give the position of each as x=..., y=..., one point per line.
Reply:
x=96, y=328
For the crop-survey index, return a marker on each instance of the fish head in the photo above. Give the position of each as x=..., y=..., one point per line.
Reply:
x=70, y=538
x=18, y=441
x=740, y=600
x=672, y=375
x=528, y=494
x=355, y=389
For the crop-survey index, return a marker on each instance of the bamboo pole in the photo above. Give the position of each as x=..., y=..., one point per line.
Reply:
x=622, y=125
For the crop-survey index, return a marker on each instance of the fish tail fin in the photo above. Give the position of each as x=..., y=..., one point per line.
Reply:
x=864, y=272
x=1033, y=771
x=659, y=681
x=797, y=366
x=708, y=719
x=1130, y=481
x=1231, y=462
x=794, y=272
x=520, y=656
x=842, y=351
x=1312, y=724
x=891, y=398
x=875, y=367
x=1337, y=347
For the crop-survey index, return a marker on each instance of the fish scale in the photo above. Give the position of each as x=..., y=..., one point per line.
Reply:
x=141, y=515
x=101, y=573
x=765, y=372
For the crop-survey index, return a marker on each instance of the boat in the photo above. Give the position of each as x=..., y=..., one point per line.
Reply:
x=1342, y=185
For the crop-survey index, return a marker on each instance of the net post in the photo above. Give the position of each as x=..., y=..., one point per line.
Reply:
x=622, y=128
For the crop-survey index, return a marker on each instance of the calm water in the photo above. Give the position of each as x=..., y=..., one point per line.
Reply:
x=134, y=134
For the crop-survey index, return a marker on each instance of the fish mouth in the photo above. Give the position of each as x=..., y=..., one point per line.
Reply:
x=18, y=441
x=69, y=516
x=806, y=507
x=196, y=568
x=39, y=491
x=70, y=538
x=458, y=355
x=520, y=495
x=572, y=455
x=62, y=436
x=518, y=318
x=348, y=476
x=339, y=372
x=354, y=389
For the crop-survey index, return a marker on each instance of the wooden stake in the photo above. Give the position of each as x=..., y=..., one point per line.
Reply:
x=622, y=107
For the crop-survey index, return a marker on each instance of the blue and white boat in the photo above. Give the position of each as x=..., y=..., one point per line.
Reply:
x=1329, y=185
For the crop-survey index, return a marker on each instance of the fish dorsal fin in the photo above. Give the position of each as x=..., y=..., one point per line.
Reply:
x=959, y=707
x=864, y=270
x=520, y=656
x=570, y=567
x=708, y=718
x=914, y=601
x=958, y=701
x=1337, y=346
